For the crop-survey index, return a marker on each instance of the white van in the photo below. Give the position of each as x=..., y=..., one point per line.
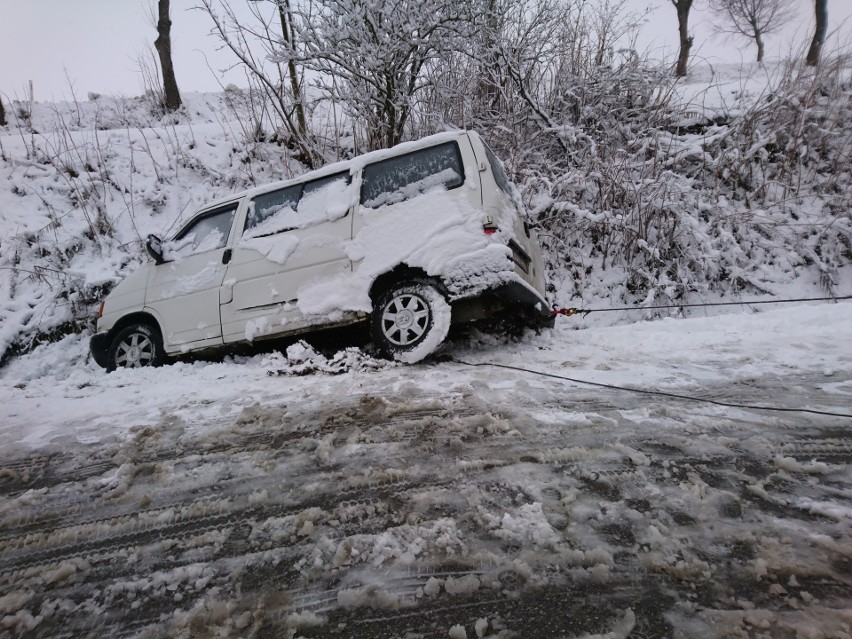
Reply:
x=410, y=239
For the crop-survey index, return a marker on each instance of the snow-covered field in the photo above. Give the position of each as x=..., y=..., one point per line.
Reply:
x=266, y=496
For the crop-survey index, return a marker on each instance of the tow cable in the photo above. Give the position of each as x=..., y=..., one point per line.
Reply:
x=645, y=391
x=568, y=312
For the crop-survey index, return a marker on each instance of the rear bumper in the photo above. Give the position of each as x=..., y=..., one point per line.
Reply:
x=527, y=301
x=99, y=345
x=509, y=299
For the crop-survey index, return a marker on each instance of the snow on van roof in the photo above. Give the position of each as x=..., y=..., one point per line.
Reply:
x=355, y=163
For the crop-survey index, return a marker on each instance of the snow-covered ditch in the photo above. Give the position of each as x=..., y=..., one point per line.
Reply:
x=301, y=494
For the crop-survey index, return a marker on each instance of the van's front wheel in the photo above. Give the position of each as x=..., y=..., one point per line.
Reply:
x=410, y=320
x=135, y=346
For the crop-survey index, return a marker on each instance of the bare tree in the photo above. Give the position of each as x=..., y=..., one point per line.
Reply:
x=543, y=78
x=2, y=113
x=821, y=14
x=370, y=55
x=288, y=35
x=277, y=84
x=753, y=19
x=163, y=44
x=683, y=8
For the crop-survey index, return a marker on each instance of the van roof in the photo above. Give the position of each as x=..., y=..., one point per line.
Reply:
x=354, y=164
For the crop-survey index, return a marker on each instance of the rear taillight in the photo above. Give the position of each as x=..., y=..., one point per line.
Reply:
x=488, y=226
x=101, y=310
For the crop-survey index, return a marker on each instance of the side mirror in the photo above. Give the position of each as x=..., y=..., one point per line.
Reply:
x=154, y=245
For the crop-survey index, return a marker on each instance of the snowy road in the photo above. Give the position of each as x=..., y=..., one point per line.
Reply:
x=442, y=500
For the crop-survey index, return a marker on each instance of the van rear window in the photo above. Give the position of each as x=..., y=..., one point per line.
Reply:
x=406, y=176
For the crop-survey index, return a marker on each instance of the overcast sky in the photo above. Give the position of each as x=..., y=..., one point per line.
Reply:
x=97, y=43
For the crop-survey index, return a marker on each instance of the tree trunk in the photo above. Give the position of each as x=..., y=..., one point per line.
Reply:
x=758, y=38
x=163, y=44
x=286, y=16
x=683, y=7
x=2, y=114
x=821, y=14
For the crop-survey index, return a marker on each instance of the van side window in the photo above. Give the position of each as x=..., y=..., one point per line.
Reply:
x=204, y=234
x=324, y=199
x=298, y=206
x=499, y=174
x=406, y=176
x=264, y=208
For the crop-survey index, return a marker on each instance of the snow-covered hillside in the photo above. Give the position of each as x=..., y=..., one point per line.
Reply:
x=718, y=209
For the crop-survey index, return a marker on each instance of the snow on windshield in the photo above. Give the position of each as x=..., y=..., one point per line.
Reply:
x=192, y=245
x=280, y=218
x=327, y=202
x=279, y=211
x=205, y=234
x=176, y=249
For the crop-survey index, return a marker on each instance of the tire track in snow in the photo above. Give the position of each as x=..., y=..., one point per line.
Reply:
x=378, y=517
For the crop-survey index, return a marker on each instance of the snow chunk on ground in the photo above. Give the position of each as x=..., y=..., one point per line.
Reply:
x=792, y=465
x=457, y=632
x=528, y=524
x=368, y=597
x=302, y=359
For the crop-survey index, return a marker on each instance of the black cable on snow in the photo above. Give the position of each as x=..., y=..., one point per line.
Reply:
x=659, y=393
x=586, y=311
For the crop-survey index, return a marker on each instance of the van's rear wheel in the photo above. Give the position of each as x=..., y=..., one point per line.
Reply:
x=135, y=346
x=410, y=320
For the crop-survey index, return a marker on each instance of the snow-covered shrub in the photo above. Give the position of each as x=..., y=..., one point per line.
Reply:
x=733, y=207
x=640, y=189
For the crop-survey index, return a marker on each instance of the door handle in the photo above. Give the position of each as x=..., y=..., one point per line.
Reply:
x=226, y=256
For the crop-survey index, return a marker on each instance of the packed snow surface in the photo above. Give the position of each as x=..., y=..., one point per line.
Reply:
x=298, y=493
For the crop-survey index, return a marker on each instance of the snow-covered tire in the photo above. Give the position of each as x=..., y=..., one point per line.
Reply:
x=135, y=346
x=410, y=320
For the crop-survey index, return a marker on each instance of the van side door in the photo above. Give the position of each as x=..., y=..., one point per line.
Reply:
x=183, y=292
x=428, y=200
x=290, y=237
